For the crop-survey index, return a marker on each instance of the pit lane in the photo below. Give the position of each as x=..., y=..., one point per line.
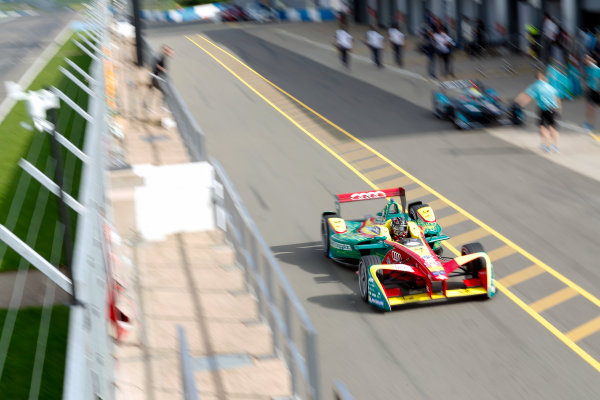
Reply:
x=286, y=181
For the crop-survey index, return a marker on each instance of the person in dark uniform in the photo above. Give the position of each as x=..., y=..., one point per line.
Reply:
x=159, y=69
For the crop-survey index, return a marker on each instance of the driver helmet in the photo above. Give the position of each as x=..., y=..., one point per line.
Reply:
x=399, y=228
x=475, y=92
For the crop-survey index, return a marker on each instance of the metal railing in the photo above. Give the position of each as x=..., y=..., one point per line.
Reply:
x=340, y=391
x=294, y=337
x=187, y=371
x=89, y=366
x=193, y=136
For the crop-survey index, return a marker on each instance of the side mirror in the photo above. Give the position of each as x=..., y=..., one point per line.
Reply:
x=379, y=214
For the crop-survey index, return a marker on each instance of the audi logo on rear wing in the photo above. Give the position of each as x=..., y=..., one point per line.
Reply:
x=369, y=195
x=462, y=84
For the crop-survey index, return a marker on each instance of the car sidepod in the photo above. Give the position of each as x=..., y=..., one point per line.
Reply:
x=341, y=247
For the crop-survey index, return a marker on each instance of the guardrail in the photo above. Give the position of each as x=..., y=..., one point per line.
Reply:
x=193, y=136
x=340, y=391
x=294, y=336
x=89, y=367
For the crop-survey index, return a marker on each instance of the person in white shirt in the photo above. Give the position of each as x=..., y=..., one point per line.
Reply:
x=549, y=34
x=375, y=42
x=344, y=44
x=443, y=45
x=397, y=39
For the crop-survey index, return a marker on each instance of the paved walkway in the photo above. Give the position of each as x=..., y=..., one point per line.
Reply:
x=188, y=279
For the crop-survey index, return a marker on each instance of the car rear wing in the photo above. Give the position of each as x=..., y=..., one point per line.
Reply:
x=370, y=195
x=460, y=84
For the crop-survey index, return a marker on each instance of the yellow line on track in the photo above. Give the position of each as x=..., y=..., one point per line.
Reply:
x=584, y=330
x=553, y=299
x=333, y=153
x=568, y=342
x=561, y=336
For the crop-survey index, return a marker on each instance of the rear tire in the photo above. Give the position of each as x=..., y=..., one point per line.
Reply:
x=325, y=233
x=473, y=267
x=364, y=265
x=413, y=208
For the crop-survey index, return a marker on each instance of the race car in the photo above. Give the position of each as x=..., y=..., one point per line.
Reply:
x=470, y=105
x=397, y=267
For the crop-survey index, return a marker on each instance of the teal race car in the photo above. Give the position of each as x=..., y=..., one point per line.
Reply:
x=340, y=237
x=398, y=253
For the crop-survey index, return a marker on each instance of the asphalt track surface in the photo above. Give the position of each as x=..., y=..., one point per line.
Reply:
x=22, y=40
x=466, y=349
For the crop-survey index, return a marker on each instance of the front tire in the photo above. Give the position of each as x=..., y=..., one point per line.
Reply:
x=458, y=122
x=473, y=267
x=364, y=265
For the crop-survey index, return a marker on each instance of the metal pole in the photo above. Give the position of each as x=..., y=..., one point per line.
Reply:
x=138, y=32
x=313, y=364
x=62, y=207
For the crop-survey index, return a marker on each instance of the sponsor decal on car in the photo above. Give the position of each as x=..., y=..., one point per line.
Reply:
x=367, y=195
x=338, y=225
x=426, y=214
x=432, y=263
x=375, y=230
x=401, y=267
x=395, y=255
x=375, y=301
x=340, y=246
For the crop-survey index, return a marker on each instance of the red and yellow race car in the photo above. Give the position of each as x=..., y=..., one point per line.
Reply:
x=396, y=264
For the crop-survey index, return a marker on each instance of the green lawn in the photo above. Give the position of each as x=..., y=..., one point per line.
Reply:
x=14, y=6
x=35, y=220
x=17, y=142
x=16, y=377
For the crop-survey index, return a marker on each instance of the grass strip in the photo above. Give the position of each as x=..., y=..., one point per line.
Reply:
x=16, y=140
x=16, y=378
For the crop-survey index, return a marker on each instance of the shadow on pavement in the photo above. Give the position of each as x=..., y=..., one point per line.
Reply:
x=309, y=257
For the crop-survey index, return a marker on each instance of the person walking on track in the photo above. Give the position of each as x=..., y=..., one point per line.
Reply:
x=444, y=45
x=375, y=42
x=546, y=98
x=344, y=44
x=397, y=39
